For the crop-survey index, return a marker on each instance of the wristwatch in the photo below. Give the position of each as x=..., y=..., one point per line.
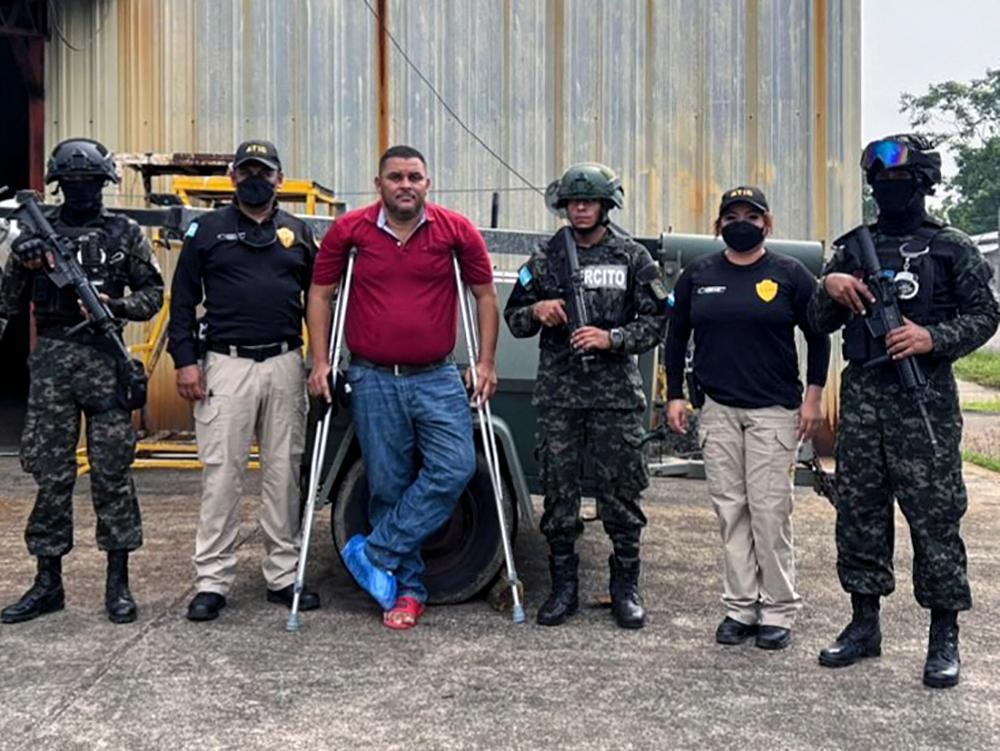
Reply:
x=617, y=339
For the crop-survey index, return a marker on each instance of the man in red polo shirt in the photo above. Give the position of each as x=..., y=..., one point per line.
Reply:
x=410, y=408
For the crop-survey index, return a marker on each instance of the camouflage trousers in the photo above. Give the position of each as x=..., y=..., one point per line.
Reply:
x=612, y=440
x=884, y=453
x=66, y=379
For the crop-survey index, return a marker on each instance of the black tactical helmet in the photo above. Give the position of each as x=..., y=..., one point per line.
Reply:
x=587, y=180
x=80, y=156
x=904, y=150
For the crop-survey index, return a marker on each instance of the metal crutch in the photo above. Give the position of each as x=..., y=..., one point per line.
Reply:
x=489, y=439
x=319, y=444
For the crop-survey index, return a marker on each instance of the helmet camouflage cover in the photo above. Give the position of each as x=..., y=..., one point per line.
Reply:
x=587, y=180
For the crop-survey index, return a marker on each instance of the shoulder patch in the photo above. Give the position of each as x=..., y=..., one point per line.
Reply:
x=524, y=276
x=192, y=230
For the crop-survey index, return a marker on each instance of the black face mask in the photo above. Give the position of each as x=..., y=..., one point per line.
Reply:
x=82, y=195
x=900, y=205
x=742, y=236
x=255, y=191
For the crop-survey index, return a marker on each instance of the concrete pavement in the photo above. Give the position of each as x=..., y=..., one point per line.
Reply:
x=467, y=677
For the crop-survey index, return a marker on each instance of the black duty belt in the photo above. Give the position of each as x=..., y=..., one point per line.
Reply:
x=400, y=370
x=255, y=352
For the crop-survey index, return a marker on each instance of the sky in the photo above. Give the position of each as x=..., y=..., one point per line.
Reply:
x=907, y=45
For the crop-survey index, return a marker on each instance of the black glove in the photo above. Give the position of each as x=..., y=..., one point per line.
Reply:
x=28, y=249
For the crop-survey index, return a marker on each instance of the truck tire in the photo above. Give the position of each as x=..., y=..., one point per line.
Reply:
x=463, y=557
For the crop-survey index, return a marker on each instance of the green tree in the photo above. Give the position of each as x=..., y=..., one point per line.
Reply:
x=965, y=117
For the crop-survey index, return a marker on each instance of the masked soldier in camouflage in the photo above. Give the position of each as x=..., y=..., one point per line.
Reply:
x=74, y=370
x=589, y=391
x=883, y=452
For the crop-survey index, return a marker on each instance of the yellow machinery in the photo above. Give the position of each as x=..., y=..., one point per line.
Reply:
x=178, y=451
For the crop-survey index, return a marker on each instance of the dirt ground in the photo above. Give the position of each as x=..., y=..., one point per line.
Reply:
x=467, y=677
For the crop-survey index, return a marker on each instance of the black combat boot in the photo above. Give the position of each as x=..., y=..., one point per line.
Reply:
x=118, y=601
x=45, y=596
x=943, y=661
x=862, y=637
x=563, y=601
x=626, y=602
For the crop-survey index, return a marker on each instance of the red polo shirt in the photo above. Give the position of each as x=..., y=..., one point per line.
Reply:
x=403, y=307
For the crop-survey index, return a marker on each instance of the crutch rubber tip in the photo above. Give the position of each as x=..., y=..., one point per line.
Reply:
x=292, y=626
x=518, y=614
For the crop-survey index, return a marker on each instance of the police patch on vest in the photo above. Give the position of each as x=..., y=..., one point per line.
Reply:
x=767, y=289
x=286, y=237
x=605, y=277
x=714, y=290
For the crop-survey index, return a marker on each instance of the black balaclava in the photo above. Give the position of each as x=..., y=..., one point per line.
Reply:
x=742, y=236
x=900, y=205
x=255, y=191
x=82, y=199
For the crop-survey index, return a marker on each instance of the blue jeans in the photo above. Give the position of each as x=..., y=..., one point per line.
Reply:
x=399, y=419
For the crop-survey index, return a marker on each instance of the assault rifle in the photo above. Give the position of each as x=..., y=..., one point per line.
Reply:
x=66, y=271
x=884, y=316
x=577, y=310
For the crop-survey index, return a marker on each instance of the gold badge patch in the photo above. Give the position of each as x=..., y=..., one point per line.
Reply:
x=767, y=289
x=286, y=237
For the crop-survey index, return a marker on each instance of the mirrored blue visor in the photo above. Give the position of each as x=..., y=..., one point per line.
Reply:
x=889, y=153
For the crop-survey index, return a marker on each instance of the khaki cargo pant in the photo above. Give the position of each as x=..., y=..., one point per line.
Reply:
x=246, y=398
x=749, y=457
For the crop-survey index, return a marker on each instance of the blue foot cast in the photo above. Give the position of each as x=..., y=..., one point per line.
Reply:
x=381, y=585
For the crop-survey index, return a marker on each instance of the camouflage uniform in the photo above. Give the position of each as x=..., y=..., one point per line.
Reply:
x=600, y=409
x=882, y=448
x=74, y=373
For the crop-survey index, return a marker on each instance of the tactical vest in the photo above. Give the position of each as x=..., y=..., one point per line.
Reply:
x=102, y=256
x=610, y=305
x=930, y=261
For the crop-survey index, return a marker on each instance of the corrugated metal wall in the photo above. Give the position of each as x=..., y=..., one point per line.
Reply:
x=683, y=97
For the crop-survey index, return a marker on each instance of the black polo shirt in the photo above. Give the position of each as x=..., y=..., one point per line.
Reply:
x=252, y=279
x=744, y=320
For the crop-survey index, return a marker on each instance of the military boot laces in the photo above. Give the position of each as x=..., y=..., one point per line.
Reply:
x=118, y=601
x=45, y=596
x=626, y=602
x=943, y=661
x=564, y=600
x=862, y=637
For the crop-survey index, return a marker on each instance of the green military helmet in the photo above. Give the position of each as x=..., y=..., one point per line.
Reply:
x=910, y=151
x=82, y=157
x=587, y=180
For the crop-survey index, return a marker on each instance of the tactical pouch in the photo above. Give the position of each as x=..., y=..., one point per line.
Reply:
x=696, y=395
x=133, y=384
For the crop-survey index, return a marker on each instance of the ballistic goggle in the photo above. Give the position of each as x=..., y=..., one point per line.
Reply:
x=889, y=152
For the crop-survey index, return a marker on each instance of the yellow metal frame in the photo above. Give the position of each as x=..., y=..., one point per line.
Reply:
x=219, y=187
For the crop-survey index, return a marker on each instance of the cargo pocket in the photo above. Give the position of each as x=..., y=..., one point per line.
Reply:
x=786, y=444
x=209, y=429
x=633, y=474
x=29, y=443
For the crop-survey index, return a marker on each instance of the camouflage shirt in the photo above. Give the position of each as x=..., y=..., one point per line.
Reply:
x=130, y=260
x=961, y=311
x=616, y=299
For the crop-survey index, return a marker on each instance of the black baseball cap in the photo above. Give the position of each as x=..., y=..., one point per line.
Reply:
x=744, y=194
x=257, y=151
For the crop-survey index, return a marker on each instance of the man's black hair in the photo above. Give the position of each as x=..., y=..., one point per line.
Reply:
x=400, y=152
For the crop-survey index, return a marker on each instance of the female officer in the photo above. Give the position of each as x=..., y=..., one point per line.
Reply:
x=743, y=305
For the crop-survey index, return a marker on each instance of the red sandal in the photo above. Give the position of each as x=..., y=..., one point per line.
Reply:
x=404, y=615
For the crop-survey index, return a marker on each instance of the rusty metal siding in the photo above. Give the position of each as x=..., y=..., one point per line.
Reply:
x=684, y=98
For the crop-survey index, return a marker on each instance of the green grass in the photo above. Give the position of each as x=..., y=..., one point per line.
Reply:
x=989, y=462
x=989, y=406
x=982, y=367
